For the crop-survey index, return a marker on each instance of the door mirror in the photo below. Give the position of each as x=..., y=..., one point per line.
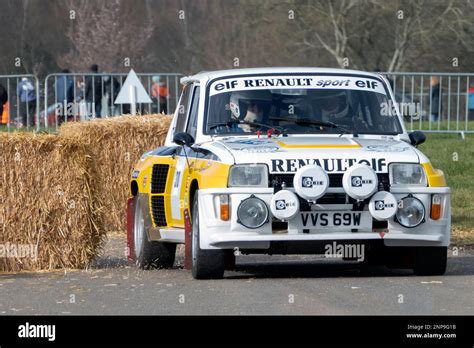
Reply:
x=417, y=138
x=183, y=139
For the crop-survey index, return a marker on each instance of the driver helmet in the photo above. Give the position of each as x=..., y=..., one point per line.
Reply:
x=334, y=104
x=249, y=105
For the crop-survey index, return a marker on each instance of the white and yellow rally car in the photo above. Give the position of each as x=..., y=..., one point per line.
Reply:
x=288, y=161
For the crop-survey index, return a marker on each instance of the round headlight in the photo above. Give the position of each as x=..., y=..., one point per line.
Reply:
x=252, y=212
x=411, y=212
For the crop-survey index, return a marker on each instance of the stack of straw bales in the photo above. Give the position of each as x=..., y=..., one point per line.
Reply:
x=60, y=194
x=50, y=216
x=115, y=145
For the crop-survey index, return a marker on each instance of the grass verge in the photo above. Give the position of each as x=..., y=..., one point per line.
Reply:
x=455, y=157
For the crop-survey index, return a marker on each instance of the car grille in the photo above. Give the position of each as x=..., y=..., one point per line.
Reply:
x=158, y=178
x=158, y=210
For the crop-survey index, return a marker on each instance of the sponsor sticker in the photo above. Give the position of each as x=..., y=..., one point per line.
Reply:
x=387, y=148
x=259, y=149
x=297, y=82
x=381, y=205
x=358, y=181
x=330, y=165
x=308, y=181
x=282, y=204
x=250, y=142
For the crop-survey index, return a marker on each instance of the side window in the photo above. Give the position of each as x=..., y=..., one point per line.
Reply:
x=193, y=114
x=182, y=109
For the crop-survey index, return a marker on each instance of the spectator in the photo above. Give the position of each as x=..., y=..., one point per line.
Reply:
x=3, y=98
x=6, y=114
x=112, y=89
x=93, y=90
x=27, y=98
x=160, y=94
x=80, y=90
x=80, y=99
x=471, y=103
x=435, y=99
x=64, y=87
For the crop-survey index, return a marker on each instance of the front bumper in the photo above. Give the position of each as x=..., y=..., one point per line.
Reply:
x=218, y=234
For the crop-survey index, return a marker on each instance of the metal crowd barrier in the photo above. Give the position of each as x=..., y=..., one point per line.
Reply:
x=22, y=107
x=80, y=97
x=453, y=114
x=74, y=97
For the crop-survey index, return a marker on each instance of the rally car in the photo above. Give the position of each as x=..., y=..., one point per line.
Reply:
x=288, y=161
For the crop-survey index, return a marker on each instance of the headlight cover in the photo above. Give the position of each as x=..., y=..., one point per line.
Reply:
x=407, y=174
x=252, y=212
x=248, y=175
x=411, y=212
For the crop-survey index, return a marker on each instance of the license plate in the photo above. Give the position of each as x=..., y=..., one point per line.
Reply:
x=338, y=220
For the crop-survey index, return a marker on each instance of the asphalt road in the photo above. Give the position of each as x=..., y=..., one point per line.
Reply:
x=283, y=285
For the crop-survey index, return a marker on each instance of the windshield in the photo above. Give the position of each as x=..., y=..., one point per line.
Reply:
x=300, y=105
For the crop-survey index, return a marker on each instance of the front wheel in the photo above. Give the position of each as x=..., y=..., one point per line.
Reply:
x=207, y=264
x=430, y=260
x=150, y=254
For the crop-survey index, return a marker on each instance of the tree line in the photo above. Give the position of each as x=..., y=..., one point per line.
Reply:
x=187, y=36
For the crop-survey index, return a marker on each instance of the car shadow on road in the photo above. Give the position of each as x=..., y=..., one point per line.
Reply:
x=110, y=262
x=457, y=266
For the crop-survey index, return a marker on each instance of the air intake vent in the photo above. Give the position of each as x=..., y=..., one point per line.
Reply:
x=158, y=178
x=158, y=210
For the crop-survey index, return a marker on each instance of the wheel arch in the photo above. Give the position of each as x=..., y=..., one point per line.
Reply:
x=192, y=192
x=134, y=188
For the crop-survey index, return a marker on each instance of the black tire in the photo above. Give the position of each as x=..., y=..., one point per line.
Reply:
x=374, y=258
x=430, y=260
x=152, y=254
x=207, y=264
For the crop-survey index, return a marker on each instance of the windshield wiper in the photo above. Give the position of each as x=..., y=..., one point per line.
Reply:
x=322, y=124
x=213, y=125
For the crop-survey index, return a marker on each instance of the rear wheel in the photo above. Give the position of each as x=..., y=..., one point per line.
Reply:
x=150, y=254
x=430, y=260
x=207, y=264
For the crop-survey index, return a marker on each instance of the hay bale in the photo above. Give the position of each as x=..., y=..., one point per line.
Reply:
x=115, y=145
x=47, y=204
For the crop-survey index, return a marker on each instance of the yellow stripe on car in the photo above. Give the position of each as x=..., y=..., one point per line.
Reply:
x=318, y=146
